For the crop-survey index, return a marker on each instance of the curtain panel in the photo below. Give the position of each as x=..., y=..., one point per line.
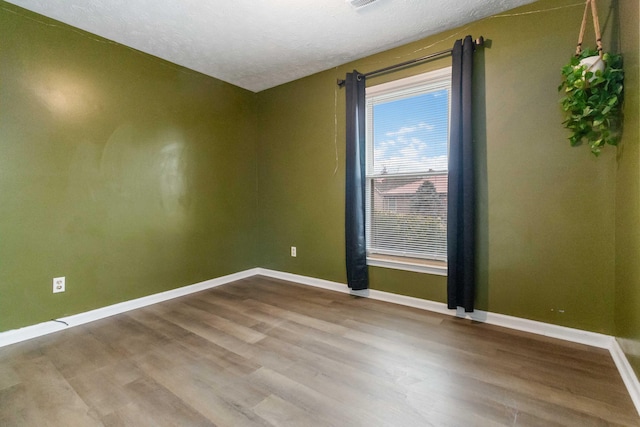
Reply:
x=461, y=191
x=355, y=238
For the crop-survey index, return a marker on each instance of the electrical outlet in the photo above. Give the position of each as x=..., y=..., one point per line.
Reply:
x=293, y=251
x=58, y=284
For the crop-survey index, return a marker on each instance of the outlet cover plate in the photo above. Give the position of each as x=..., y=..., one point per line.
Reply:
x=58, y=284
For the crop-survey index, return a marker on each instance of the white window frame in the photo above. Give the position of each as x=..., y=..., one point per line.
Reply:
x=433, y=80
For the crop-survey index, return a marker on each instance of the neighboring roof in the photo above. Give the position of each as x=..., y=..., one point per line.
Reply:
x=412, y=187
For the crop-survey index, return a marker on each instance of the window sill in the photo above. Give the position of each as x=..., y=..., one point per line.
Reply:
x=438, y=268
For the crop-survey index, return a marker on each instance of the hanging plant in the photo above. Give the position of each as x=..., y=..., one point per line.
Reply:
x=593, y=88
x=592, y=101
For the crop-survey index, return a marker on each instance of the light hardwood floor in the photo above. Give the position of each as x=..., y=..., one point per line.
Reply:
x=261, y=352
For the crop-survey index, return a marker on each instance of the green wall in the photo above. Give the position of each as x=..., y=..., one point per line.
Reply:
x=546, y=211
x=627, y=316
x=126, y=174
x=130, y=175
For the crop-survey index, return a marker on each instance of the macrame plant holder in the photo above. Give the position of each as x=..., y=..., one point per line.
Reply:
x=593, y=63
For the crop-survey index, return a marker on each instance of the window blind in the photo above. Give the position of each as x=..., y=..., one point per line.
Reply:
x=407, y=159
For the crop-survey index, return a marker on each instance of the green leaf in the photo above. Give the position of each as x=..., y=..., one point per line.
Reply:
x=591, y=108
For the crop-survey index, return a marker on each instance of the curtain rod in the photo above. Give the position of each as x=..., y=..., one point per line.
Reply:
x=477, y=42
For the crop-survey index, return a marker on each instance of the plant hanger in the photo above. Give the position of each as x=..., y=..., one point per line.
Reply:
x=596, y=27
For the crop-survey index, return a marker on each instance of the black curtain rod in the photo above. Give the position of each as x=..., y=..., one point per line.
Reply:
x=477, y=42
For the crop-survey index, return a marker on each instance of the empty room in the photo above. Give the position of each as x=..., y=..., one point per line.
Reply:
x=319, y=213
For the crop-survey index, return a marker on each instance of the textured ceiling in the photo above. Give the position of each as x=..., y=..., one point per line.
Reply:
x=258, y=44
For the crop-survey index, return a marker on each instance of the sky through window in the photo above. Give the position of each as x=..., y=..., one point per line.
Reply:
x=410, y=137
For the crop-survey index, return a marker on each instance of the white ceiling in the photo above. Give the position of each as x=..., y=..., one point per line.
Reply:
x=258, y=44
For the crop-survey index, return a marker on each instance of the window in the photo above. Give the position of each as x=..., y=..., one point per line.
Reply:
x=407, y=162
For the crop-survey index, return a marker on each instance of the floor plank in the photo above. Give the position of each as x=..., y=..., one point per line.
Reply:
x=264, y=352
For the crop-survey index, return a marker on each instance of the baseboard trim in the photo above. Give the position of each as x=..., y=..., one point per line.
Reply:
x=626, y=372
x=305, y=280
x=40, y=329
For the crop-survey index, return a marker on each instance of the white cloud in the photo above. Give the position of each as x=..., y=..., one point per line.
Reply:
x=410, y=152
x=405, y=152
x=418, y=144
x=410, y=129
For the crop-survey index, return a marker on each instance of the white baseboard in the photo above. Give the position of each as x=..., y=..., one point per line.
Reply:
x=568, y=334
x=626, y=372
x=33, y=331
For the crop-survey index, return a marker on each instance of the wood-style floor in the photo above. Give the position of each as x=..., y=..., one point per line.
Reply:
x=261, y=352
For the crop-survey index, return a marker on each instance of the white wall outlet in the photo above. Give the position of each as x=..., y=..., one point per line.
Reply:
x=293, y=251
x=58, y=284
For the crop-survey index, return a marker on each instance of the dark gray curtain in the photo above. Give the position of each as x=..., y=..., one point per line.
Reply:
x=461, y=197
x=356, y=248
